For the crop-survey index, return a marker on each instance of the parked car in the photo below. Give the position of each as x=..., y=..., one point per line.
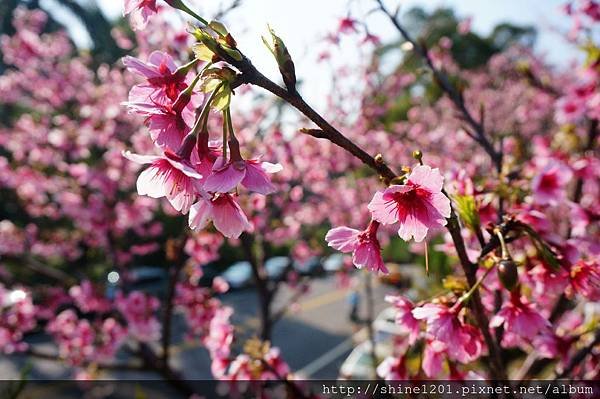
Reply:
x=310, y=267
x=238, y=275
x=277, y=266
x=385, y=326
x=152, y=280
x=359, y=363
x=333, y=263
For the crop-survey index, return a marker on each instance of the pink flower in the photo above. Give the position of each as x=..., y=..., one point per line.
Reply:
x=463, y=341
x=220, y=333
x=519, y=318
x=393, y=369
x=223, y=211
x=364, y=245
x=163, y=81
x=347, y=25
x=220, y=285
x=585, y=279
x=138, y=309
x=168, y=176
x=548, y=186
x=417, y=205
x=252, y=174
x=140, y=11
x=404, y=316
x=277, y=367
x=167, y=123
x=433, y=357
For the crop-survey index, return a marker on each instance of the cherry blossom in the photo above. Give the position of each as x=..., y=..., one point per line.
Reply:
x=252, y=174
x=167, y=176
x=404, y=316
x=365, y=247
x=520, y=319
x=417, y=205
x=140, y=11
x=223, y=211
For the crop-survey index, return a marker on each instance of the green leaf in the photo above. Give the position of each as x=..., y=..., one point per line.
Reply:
x=467, y=209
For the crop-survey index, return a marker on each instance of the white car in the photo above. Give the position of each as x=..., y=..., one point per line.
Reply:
x=359, y=363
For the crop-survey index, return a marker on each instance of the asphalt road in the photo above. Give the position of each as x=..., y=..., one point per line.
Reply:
x=315, y=336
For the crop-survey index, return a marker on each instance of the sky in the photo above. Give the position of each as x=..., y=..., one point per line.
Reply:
x=303, y=23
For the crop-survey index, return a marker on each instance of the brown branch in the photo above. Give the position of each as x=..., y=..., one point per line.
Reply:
x=251, y=75
x=454, y=95
x=176, y=255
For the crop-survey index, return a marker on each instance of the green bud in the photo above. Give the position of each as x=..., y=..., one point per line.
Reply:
x=219, y=28
x=283, y=58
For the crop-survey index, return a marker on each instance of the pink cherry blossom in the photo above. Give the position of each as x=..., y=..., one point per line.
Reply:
x=17, y=317
x=220, y=333
x=404, y=316
x=223, y=211
x=549, y=184
x=393, y=369
x=585, y=279
x=433, y=357
x=163, y=82
x=252, y=174
x=139, y=310
x=168, y=123
x=167, y=176
x=417, y=205
x=139, y=12
x=519, y=317
x=463, y=341
x=364, y=245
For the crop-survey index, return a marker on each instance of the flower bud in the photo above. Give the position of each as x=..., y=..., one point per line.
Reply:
x=507, y=274
x=283, y=58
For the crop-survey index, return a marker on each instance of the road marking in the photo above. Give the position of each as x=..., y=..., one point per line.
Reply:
x=337, y=351
x=325, y=359
x=322, y=300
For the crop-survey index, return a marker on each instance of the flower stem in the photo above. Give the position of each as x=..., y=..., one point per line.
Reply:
x=180, y=5
x=463, y=299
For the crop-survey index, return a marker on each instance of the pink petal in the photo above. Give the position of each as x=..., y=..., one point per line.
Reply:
x=412, y=227
x=442, y=204
x=342, y=238
x=141, y=159
x=229, y=218
x=200, y=214
x=224, y=179
x=271, y=167
x=424, y=176
x=151, y=182
x=165, y=131
x=185, y=168
x=382, y=211
x=158, y=58
x=257, y=180
x=427, y=311
x=136, y=65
